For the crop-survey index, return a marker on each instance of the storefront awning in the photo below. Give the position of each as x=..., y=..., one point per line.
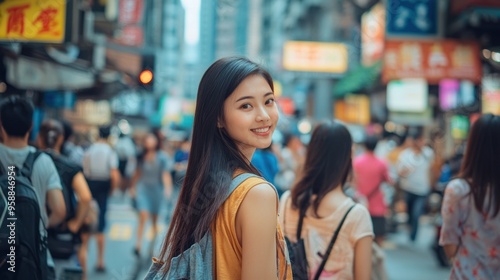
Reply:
x=358, y=79
x=35, y=74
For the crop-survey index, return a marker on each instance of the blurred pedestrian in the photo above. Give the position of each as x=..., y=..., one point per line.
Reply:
x=414, y=168
x=50, y=139
x=317, y=203
x=69, y=149
x=125, y=150
x=150, y=186
x=235, y=114
x=100, y=166
x=471, y=206
x=16, y=123
x=291, y=160
x=369, y=174
x=267, y=163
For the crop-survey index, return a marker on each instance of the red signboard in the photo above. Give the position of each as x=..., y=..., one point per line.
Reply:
x=457, y=6
x=130, y=12
x=431, y=60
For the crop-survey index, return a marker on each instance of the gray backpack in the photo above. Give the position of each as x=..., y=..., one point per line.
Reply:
x=195, y=262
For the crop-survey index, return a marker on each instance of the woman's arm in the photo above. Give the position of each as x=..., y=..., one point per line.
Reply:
x=363, y=258
x=133, y=182
x=256, y=224
x=82, y=191
x=167, y=184
x=450, y=250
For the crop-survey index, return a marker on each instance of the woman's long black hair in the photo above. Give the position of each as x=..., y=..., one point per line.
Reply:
x=481, y=164
x=327, y=165
x=213, y=157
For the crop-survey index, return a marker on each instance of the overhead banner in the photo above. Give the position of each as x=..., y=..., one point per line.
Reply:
x=315, y=57
x=409, y=96
x=412, y=18
x=433, y=61
x=33, y=21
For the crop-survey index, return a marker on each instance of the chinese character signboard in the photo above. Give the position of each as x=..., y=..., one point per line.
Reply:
x=412, y=18
x=315, y=57
x=372, y=35
x=432, y=60
x=33, y=21
x=130, y=23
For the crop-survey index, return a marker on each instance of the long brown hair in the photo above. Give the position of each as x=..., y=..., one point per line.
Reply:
x=481, y=163
x=327, y=165
x=213, y=159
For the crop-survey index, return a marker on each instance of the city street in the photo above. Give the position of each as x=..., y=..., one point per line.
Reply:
x=404, y=261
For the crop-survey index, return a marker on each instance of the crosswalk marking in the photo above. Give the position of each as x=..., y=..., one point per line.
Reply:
x=149, y=232
x=120, y=231
x=123, y=231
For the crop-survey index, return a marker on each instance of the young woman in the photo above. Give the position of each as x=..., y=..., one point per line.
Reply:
x=471, y=206
x=319, y=194
x=152, y=182
x=235, y=114
x=50, y=139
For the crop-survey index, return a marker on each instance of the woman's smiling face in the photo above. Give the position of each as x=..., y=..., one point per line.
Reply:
x=250, y=115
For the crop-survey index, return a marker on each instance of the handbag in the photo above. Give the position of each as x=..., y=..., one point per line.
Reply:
x=297, y=251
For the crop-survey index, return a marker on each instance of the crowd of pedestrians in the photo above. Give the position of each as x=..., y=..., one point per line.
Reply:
x=240, y=206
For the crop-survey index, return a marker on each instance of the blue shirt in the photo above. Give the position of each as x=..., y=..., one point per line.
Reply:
x=267, y=164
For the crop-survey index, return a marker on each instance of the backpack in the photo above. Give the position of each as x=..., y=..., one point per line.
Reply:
x=23, y=250
x=61, y=241
x=297, y=251
x=195, y=262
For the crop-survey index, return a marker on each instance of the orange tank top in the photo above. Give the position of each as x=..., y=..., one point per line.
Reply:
x=227, y=249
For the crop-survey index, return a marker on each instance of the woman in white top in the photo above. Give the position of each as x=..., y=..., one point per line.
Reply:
x=319, y=191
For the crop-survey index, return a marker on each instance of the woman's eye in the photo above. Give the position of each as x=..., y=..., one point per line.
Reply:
x=246, y=106
x=270, y=101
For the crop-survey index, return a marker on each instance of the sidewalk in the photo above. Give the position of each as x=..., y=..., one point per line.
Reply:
x=413, y=261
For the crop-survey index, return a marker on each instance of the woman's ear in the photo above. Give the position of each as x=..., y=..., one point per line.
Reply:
x=220, y=124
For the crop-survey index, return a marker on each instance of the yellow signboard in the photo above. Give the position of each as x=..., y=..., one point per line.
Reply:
x=315, y=57
x=33, y=20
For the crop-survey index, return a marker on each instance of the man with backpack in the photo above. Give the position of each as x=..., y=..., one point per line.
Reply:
x=36, y=182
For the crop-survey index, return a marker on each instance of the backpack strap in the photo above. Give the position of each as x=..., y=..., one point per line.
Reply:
x=330, y=246
x=237, y=181
x=27, y=168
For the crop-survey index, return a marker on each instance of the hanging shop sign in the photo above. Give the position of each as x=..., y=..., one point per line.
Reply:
x=409, y=96
x=131, y=31
x=372, y=35
x=433, y=61
x=315, y=57
x=35, y=21
x=491, y=94
x=354, y=109
x=412, y=18
x=459, y=127
x=455, y=94
x=459, y=6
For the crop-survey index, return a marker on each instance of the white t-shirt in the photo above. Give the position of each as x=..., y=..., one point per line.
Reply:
x=317, y=234
x=418, y=180
x=44, y=176
x=98, y=162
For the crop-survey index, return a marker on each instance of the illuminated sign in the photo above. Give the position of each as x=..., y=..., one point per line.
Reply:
x=33, y=21
x=315, y=57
